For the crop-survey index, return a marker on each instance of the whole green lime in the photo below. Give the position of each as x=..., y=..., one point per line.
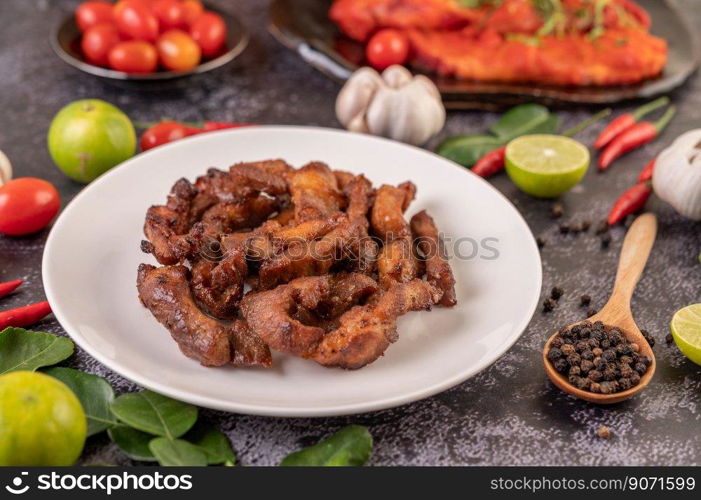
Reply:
x=41, y=421
x=89, y=137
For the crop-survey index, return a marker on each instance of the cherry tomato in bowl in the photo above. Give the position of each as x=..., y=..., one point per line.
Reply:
x=27, y=205
x=134, y=56
x=97, y=43
x=209, y=31
x=387, y=47
x=178, y=51
x=193, y=10
x=92, y=13
x=136, y=22
x=170, y=14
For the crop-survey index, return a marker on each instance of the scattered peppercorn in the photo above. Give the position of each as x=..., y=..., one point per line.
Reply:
x=540, y=241
x=602, y=227
x=564, y=228
x=591, y=312
x=549, y=305
x=604, y=432
x=597, y=358
x=556, y=293
x=576, y=227
x=584, y=300
x=669, y=338
x=648, y=337
x=586, y=224
x=605, y=240
x=558, y=210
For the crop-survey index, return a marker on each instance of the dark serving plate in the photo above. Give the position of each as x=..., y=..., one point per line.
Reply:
x=304, y=26
x=66, y=43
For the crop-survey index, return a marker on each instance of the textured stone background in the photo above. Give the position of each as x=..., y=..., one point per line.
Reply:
x=507, y=415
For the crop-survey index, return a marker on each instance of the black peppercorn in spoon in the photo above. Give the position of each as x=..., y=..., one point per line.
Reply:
x=617, y=313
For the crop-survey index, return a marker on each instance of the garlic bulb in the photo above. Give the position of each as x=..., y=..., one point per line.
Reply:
x=5, y=169
x=396, y=105
x=677, y=177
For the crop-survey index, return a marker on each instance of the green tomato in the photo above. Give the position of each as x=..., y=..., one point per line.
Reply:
x=89, y=137
x=41, y=421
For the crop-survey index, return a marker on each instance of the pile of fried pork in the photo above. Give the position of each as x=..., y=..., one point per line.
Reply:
x=311, y=262
x=557, y=42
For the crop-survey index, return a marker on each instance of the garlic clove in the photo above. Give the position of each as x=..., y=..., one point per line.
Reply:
x=397, y=76
x=356, y=94
x=5, y=169
x=358, y=124
x=677, y=178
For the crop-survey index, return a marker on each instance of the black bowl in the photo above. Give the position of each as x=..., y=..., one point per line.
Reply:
x=66, y=43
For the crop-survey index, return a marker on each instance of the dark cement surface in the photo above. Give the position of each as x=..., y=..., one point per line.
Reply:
x=507, y=415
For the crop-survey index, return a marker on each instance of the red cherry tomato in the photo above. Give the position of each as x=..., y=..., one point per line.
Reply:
x=97, y=43
x=170, y=14
x=387, y=47
x=27, y=205
x=147, y=4
x=90, y=14
x=137, y=22
x=163, y=133
x=134, y=56
x=178, y=51
x=209, y=31
x=193, y=10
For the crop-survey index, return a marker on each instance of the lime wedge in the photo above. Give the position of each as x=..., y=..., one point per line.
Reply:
x=544, y=165
x=686, y=330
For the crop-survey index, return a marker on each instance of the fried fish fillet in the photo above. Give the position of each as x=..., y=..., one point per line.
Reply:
x=165, y=291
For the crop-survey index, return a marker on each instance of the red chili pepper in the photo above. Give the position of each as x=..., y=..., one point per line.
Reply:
x=491, y=163
x=633, y=200
x=9, y=286
x=208, y=126
x=639, y=134
x=626, y=121
x=24, y=316
x=647, y=172
x=165, y=132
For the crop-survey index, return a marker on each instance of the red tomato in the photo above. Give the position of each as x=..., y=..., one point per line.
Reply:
x=170, y=14
x=137, y=22
x=97, y=43
x=89, y=14
x=209, y=31
x=193, y=10
x=134, y=56
x=147, y=4
x=163, y=133
x=27, y=205
x=387, y=47
x=178, y=51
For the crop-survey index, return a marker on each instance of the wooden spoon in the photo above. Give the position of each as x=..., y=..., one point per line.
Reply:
x=617, y=313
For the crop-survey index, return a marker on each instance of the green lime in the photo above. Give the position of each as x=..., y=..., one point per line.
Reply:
x=545, y=165
x=41, y=421
x=89, y=137
x=686, y=330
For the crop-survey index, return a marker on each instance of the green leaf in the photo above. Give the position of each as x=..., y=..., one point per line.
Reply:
x=177, y=452
x=95, y=394
x=523, y=119
x=22, y=349
x=467, y=149
x=351, y=445
x=155, y=414
x=215, y=444
x=133, y=443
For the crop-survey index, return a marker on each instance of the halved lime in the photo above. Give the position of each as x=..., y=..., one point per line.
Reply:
x=686, y=330
x=546, y=165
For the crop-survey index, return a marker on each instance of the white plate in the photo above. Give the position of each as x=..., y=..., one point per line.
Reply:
x=92, y=253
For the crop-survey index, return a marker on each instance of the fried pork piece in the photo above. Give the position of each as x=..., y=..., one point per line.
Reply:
x=396, y=261
x=290, y=318
x=218, y=285
x=362, y=250
x=166, y=226
x=365, y=332
x=262, y=176
x=315, y=193
x=165, y=291
x=438, y=271
x=227, y=217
